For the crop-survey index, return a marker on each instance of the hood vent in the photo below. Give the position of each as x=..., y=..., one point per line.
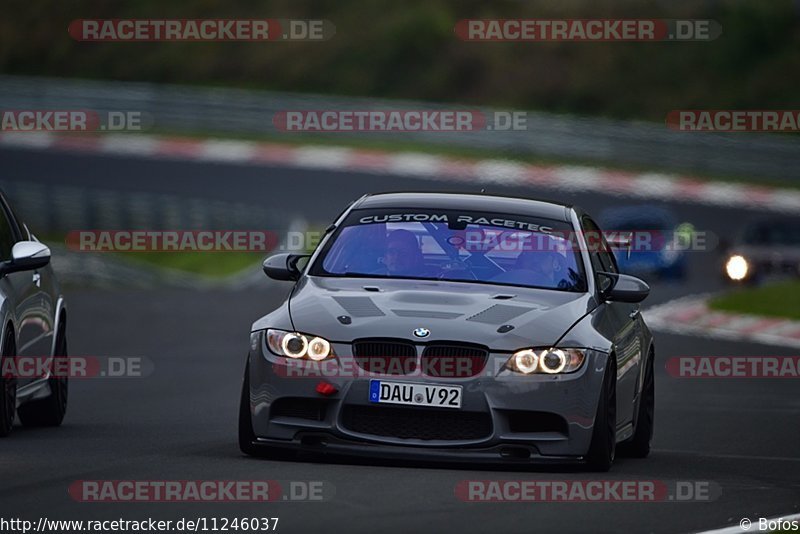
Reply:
x=498, y=314
x=427, y=314
x=359, y=306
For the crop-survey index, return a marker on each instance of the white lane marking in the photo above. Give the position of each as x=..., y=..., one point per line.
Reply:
x=32, y=140
x=500, y=172
x=573, y=178
x=654, y=185
x=737, y=529
x=319, y=157
x=785, y=200
x=415, y=164
x=223, y=150
x=129, y=144
x=731, y=456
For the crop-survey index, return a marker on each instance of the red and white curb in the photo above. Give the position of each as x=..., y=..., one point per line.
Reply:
x=692, y=316
x=425, y=166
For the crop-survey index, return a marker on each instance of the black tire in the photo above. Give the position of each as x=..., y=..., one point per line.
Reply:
x=49, y=411
x=602, y=449
x=8, y=388
x=638, y=446
x=246, y=434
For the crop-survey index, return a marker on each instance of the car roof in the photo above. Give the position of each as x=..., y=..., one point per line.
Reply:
x=467, y=201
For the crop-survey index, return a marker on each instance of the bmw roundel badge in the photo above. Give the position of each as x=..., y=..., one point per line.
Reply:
x=422, y=332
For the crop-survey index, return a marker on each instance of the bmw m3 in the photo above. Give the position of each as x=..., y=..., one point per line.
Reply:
x=453, y=327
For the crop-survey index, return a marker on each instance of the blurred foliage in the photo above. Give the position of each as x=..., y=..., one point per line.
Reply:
x=409, y=50
x=775, y=300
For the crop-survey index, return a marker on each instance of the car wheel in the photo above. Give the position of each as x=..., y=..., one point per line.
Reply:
x=8, y=389
x=604, y=435
x=49, y=411
x=246, y=434
x=639, y=445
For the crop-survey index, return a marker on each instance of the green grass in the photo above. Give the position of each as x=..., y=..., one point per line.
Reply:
x=775, y=300
x=211, y=264
x=216, y=264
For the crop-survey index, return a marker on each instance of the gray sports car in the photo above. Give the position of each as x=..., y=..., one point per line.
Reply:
x=34, y=320
x=453, y=327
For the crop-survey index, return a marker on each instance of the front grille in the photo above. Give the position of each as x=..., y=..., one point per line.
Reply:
x=417, y=423
x=453, y=361
x=299, y=408
x=386, y=357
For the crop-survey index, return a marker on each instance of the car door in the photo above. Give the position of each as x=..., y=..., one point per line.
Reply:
x=33, y=323
x=623, y=326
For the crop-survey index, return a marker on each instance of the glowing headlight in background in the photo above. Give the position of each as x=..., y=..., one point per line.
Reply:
x=736, y=267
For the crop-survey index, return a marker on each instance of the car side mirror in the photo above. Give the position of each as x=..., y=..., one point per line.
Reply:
x=622, y=287
x=26, y=256
x=283, y=266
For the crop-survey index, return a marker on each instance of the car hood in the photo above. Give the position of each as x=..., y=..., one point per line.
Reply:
x=452, y=311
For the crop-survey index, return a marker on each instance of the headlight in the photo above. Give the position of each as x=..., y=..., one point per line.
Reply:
x=546, y=361
x=296, y=345
x=526, y=361
x=318, y=349
x=737, y=267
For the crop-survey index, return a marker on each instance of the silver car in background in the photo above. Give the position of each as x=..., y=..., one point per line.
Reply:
x=33, y=314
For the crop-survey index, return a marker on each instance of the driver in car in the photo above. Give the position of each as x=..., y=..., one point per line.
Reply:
x=548, y=265
x=403, y=255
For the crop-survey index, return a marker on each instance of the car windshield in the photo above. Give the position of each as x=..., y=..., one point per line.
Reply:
x=454, y=246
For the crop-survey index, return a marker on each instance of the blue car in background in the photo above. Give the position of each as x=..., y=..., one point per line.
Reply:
x=658, y=240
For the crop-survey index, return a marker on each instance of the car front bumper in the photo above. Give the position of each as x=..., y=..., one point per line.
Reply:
x=504, y=417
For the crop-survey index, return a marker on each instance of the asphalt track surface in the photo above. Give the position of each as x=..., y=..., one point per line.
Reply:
x=179, y=422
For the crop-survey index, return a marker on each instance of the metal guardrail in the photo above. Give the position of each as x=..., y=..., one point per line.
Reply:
x=237, y=111
x=57, y=210
x=52, y=211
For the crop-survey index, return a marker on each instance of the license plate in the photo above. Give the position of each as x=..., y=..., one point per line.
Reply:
x=381, y=391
